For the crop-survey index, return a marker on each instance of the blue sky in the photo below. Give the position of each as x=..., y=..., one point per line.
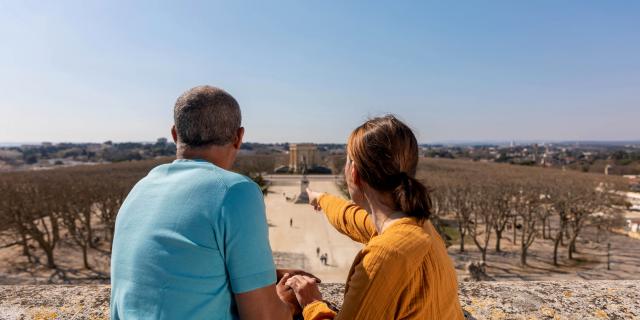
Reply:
x=314, y=70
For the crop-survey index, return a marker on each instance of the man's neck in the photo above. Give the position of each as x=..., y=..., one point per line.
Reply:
x=218, y=155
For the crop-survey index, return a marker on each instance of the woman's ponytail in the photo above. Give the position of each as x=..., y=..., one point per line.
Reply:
x=412, y=197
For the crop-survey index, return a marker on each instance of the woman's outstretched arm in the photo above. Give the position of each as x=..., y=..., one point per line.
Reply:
x=348, y=218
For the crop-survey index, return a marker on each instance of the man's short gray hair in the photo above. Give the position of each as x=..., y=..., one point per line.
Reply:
x=206, y=115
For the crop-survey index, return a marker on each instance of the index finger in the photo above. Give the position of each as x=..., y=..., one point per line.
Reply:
x=304, y=273
x=284, y=279
x=310, y=279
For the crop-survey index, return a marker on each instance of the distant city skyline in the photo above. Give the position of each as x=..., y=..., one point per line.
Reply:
x=311, y=72
x=635, y=143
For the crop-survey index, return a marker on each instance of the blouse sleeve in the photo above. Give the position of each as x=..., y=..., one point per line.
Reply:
x=348, y=218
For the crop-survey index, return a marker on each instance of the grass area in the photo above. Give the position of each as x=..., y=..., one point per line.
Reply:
x=452, y=233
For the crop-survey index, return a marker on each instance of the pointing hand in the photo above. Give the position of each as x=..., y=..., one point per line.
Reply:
x=313, y=199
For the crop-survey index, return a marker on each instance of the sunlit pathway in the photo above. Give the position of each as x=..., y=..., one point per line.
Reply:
x=310, y=229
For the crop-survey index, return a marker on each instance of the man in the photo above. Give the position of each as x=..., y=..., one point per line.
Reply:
x=191, y=238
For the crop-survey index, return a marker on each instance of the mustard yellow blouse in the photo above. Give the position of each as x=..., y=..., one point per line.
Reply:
x=403, y=273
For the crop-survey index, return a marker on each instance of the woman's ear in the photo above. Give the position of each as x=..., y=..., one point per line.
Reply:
x=355, y=177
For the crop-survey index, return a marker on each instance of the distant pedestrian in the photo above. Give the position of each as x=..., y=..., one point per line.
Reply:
x=291, y=222
x=317, y=251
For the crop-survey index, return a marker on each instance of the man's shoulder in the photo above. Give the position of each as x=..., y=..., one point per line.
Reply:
x=231, y=181
x=231, y=178
x=201, y=172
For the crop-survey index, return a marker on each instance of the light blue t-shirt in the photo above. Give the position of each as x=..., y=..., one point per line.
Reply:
x=188, y=237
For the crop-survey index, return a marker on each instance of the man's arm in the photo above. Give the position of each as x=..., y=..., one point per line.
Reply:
x=262, y=303
x=248, y=258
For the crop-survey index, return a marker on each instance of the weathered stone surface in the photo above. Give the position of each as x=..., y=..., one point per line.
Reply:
x=552, y=300
x=54, y=302
x=481, y=300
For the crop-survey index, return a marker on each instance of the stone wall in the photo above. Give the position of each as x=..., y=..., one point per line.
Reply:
x=480, y=300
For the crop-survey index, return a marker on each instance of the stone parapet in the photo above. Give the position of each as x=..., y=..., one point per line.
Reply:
x=480, y=300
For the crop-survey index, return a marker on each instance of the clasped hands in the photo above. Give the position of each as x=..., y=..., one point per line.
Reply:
x=297, y=288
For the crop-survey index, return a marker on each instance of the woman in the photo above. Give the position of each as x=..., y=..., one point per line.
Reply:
x=403, y=272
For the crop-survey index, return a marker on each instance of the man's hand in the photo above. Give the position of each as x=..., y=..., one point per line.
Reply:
x=287, y=295
x=280, y=273
x=313, y=199
x=305, y=288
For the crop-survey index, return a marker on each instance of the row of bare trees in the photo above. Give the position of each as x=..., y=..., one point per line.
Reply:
x=486, y=200
x=80, y=204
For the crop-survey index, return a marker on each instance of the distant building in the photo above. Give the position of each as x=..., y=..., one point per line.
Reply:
x=303, y=155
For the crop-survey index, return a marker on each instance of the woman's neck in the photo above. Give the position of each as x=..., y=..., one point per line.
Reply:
x=383, y=214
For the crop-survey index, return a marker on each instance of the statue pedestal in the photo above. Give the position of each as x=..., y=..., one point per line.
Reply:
x=303, y=197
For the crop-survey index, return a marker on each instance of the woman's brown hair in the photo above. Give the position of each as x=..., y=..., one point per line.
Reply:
x=385, y=152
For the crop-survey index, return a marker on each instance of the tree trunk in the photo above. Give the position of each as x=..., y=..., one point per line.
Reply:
x=110, y=232
x=484, y=255
x=556, y=243
x=25, y=247
x=572, y=247
x=515, y=234
x=51, y=264
x=566, y=235
x=523, y=248
x=87, y=219
x=570, y=253
x=498, y=238
x=85, y=258
x=461, y=239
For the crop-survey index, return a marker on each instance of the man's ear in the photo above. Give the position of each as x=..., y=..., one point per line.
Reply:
x=174, y=134
x=239, y=135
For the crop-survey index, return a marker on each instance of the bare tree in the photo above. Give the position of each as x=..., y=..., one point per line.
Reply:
x=502, y=208
x=459, y=201
x=562, y=207
x=527, y=208
x=108, y=202
x=79, y=202
x=483, y=217
x=35, y=214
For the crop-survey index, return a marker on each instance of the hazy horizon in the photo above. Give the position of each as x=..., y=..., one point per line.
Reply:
x=500, y=71
x=445, y=142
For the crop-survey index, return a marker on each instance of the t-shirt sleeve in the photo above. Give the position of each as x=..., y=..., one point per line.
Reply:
x=245, y=231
